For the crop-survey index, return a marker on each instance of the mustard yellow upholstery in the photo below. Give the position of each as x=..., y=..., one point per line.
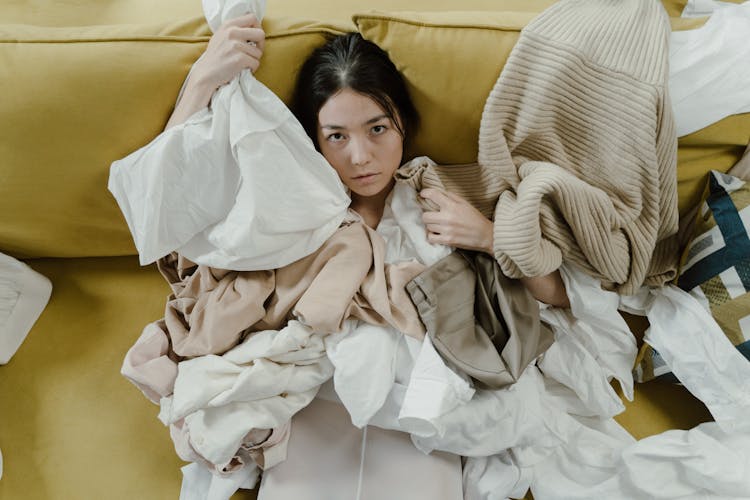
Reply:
x=85, y=82
x=83, y=97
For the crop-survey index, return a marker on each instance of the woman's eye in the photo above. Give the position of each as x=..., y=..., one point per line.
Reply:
x=335, y=137
x=378, y=129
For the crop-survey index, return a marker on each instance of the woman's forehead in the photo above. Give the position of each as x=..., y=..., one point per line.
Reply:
x=349, y=109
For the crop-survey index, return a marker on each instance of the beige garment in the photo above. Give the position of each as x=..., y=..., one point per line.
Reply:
x=470, y=181
x=486, y=324
x=211, y=310
x=578, y=139
x=327, y=456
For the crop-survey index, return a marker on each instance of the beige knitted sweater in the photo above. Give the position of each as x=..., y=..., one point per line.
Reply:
x=577, y=138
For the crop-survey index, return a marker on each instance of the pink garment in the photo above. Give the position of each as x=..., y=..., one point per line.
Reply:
x=262, y=447
x=150, y=365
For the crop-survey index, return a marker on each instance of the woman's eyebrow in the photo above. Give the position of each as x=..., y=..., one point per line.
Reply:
x=375, y=119
x=368, y=122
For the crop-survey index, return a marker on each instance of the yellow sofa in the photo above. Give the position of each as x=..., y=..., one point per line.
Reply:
x=85, y=82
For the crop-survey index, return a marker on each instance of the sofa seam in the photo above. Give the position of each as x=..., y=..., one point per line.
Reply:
x=424, y=24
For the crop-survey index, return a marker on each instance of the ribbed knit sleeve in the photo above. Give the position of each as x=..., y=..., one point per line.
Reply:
x=580, y=127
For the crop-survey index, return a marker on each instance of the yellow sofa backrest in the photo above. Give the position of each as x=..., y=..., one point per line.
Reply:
x=74, y=99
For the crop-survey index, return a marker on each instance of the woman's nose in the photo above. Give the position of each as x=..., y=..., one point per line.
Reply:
x=360, y=151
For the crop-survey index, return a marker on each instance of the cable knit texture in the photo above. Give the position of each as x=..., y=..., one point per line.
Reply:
x=578, y=139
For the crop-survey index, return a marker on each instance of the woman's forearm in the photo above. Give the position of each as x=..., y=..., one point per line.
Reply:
x=549, y=289
x=195, y=97
x=237, y=45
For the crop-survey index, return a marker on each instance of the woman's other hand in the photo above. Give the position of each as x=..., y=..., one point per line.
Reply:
x=456, y=223
x=236, y=45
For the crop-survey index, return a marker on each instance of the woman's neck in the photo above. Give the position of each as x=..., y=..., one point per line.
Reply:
x=371, y=208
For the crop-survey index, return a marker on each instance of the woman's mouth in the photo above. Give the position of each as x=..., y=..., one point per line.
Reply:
x=365, y=179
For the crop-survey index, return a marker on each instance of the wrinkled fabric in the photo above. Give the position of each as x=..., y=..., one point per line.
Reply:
x=150, y=364
x=709, y=69
x=24, y=294
x=494, y=478
x=697, y=351
x=607, y=349
x=362, y=383
x=703, y=8
x=259, y=384
x=209, y=188
x=212, y=403
x=199, y=484
x=211, y=309
x=486, y=324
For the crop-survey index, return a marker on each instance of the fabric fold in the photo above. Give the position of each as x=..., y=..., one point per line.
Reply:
x=236, y=186
x=554, y=129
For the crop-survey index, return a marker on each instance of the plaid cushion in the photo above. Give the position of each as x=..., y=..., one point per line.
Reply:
x=715, y=267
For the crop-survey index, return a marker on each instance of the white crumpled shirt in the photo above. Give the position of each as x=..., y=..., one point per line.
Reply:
x=238, y=186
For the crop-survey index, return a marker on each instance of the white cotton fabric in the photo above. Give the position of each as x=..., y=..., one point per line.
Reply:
x=703, y=8
x=496, y=477
x=697, y=351
x=238, y=186
x=259, y=384
x=198, y=483
x=551, y=432
x=363, y=383
x=24, y=294
x=600, y=460
x=593, y=337
x=709, y=67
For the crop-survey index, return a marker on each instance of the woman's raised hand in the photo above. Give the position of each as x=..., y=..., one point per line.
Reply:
x=235, y=46
x=457, y=223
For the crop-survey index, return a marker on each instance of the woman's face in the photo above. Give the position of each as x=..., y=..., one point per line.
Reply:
x=360, y=142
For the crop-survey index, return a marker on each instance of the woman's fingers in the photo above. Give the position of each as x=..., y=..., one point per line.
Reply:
x=435, y=195
x=248, y=20
x=255, y=35
x=456, y=222
x=249, y=50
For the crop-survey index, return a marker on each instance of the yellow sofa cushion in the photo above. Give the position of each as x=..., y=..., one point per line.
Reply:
x=83, y=97
x=451, y=61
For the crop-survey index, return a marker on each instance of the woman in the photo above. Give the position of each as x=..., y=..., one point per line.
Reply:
x=354, y=105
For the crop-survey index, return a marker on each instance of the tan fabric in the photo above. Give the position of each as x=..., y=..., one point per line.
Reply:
x=579, y=137
x=469, y=181
x=210, y=310
x=742, y=168
x=483, y=322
